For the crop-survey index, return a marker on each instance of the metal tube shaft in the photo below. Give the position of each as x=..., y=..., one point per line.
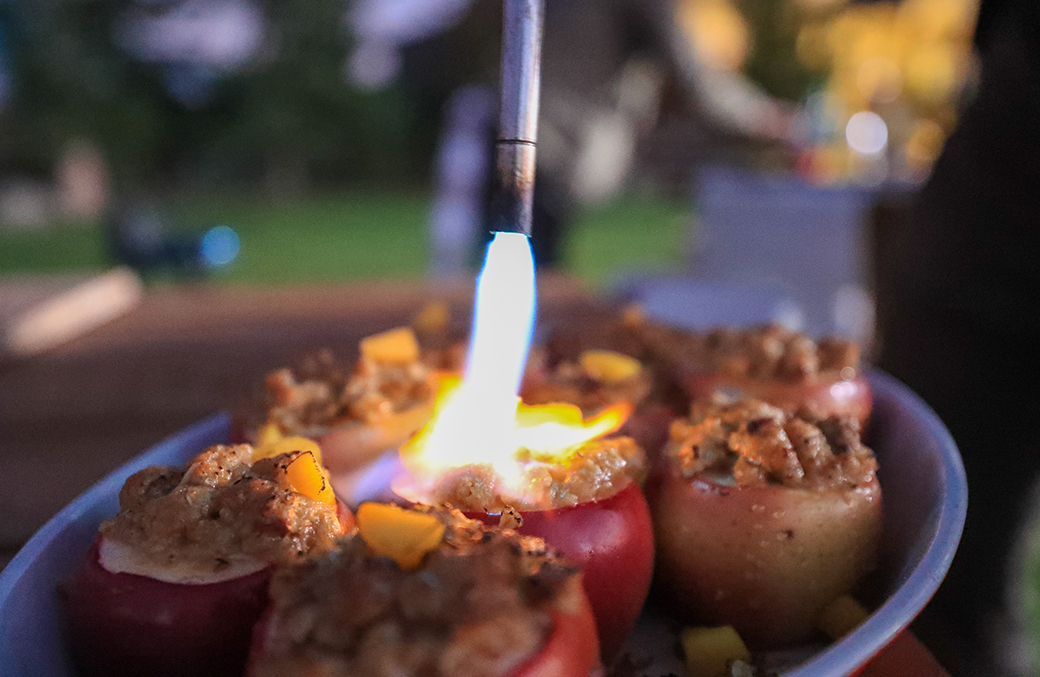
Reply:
x=513, y=196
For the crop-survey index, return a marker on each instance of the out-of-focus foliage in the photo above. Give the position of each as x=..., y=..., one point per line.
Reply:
x=70, y=82
x=288, y=117
x=772, y=61
x=902, y=65
x=907, y=62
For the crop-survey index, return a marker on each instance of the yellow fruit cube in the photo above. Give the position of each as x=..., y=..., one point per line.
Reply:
x=559, y=413
x=608, y=366
x=711, y=651
x=396, y=346
x=309, y=478
x=285, y=445
x=433, y=317
x=841, y=617
x=268, y=434
x=403, y=535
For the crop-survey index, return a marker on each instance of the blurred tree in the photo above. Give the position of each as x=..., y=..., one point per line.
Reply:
x=292, y=114
x=771, y=61
x=286, y=118
x=72, y=82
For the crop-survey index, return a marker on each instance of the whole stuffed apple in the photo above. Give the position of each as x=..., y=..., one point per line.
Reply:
x=175, y=582
x=762, y=517
x=588, y=505
x=354, y=411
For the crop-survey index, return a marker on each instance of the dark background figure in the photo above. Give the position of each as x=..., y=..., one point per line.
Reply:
x=580, y=78
x=959, y=314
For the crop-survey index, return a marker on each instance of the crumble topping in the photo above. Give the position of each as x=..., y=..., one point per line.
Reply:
x=569, y=381
x=752, y=443
x=592, y=471
x=223, y=506
x=478, y=606
x=323, y=393
x=762, y=352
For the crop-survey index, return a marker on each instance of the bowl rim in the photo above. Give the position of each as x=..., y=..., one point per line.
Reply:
x=914, y=593
x=76, y=522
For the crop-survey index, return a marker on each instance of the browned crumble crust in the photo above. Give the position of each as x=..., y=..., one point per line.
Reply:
x=567, y=381
x=593, y=471
x=222, y=505
x=763, y=352
x=477, y=607
x=757, y=444
x=322, y=393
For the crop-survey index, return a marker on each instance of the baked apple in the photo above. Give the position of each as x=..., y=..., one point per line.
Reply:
x=428, y=592
x=762, y=518
x=611, y=541
x=784, y=368
x=590, y=507
x=354, y=412
x=175, y=582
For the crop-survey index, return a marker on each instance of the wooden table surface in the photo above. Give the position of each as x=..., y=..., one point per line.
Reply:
x=71, y=415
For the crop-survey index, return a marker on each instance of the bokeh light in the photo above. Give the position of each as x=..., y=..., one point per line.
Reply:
x=866, y=133
x=219, y=247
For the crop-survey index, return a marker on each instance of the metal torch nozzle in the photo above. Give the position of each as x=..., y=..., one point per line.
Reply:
x=513, y=195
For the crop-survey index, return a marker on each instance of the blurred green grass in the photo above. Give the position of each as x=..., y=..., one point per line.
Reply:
x=355, y=236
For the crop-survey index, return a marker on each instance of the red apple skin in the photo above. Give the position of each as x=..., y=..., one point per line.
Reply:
x=764, y=559
x=825, y=397
x=129, y=625
x=571, y=650
x=611, y=541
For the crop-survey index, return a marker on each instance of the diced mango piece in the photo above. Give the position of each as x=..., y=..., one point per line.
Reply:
x=396, y=346
x=268, y=434
x=608, y=366
x=433, y=317
x=286, y=445
x=307, y=477
x=841, y=617
x=560, y=413
x=711, y=651
x=404, y=535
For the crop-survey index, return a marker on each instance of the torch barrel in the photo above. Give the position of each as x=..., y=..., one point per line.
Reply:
x=518, y=123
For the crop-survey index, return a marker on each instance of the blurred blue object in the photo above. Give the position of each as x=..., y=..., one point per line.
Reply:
x=462, y=170
x=769, y=249
x=139, y=236
x=220, y=246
